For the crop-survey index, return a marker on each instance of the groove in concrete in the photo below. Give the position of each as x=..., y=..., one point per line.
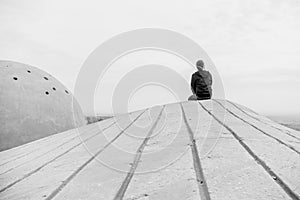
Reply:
x=270, y=125
x=45, y=153
x=73, y=175
x=121, y=192
x=26, y=152
x=202, y=185
x=50, y=161
x=273, y=175
x=255, y=127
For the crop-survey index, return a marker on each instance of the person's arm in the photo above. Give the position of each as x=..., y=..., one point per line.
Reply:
x=193, y=90
x=192, y=82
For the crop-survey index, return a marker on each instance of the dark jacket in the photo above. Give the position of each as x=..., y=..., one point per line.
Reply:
x=201, y=84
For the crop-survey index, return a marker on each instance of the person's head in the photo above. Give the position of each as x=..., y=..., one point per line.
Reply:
x=200, y=65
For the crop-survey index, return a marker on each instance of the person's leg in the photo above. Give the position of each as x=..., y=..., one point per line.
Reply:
x=193, y=98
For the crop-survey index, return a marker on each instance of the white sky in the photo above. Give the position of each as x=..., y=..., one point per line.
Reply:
x=255, y=44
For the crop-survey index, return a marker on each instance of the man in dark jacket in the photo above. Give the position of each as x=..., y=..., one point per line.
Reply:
x=201, y=83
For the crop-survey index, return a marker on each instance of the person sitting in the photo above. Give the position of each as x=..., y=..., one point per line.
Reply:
x=201, y=83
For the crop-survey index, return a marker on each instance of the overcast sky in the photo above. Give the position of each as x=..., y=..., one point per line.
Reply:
x=255, y=44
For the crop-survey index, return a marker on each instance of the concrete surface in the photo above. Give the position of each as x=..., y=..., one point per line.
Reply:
x=33, y=104
x=191, y=150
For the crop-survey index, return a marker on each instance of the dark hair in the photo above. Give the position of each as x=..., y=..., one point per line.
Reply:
x=200, y=63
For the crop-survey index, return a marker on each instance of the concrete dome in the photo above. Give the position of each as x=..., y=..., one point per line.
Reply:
x=33, y=104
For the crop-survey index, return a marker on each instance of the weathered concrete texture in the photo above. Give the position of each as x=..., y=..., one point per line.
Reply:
x=33, y=105
x=190, y=150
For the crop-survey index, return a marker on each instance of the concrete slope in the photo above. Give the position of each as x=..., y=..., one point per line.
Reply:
x=192, y=150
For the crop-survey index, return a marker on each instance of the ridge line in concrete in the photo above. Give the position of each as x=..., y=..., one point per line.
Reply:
x=202, y=185
x=279, y=129
x=273, y=175
x=121, y=192
x=73, y=175
x=50, y=161
x=260, y=130
x=41, y=155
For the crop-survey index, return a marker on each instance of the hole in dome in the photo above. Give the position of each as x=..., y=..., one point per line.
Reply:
x=28, y=71
x=47, y=93
x=46, y=78
x=54, y=88
x=15, y=78
x=67, y=91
